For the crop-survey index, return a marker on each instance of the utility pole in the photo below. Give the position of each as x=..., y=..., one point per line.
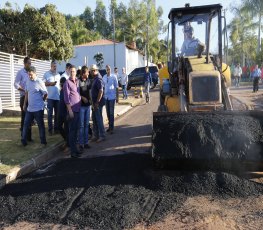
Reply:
x=114, y=44
x=147, y=49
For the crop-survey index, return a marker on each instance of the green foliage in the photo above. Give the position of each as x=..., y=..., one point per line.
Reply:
x=99, y=59
x=42, y=31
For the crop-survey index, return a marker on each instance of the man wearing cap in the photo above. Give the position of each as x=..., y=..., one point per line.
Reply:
x=52, y=80
x=35, y=95
x=73, y=102
x=191, y=45
x=98, y=101
x=20, y=84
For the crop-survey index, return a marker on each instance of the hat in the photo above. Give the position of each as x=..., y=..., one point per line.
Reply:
x=94, y=67
x=32, y=69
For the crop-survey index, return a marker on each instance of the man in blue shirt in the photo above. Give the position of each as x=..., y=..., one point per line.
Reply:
x=111, y=90
x=52, y=80
x=147, y=83
x=35, y=95
x=20, y=84
x=98, y=101
x=256, y=76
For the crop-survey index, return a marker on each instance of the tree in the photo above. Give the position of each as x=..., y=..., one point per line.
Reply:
x=101, y=24
x=43, y=32
x=255, y=7
x=99, y=59
x=87, y=18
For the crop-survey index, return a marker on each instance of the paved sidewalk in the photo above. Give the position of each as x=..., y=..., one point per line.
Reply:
x=55, y=152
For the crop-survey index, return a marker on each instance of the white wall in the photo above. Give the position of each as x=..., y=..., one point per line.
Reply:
x=125, y=57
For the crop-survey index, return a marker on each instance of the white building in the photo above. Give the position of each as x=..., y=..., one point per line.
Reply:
x=126, y=56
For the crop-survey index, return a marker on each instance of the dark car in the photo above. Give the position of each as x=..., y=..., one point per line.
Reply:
x=135, y=78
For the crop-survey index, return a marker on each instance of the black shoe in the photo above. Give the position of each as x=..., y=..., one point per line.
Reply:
x=23, y=143
x=50, y=133
x=56, y=131
x=87, y=146
x=108, y=130
x=74, y=156
x=30, y=140
x=81, y=148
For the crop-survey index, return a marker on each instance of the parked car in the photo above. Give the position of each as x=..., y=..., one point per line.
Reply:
x=135, y=78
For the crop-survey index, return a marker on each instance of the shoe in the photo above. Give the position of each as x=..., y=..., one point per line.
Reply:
x=94, y=139
x=100, y=140
x=111, y=132
x=108, y=130
x=43, y=145
x=81, y=148
x=50, y=133
x=56, y=131
x=30, y=140
x=75, y=156
x=23, y=143
x=87, y=146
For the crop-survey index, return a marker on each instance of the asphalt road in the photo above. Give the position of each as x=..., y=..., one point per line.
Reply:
x=114, y=186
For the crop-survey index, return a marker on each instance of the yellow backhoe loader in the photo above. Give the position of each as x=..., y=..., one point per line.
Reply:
x=195, y=123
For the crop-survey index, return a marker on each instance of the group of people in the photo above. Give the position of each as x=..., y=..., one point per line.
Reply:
x=72, y=99
x=256, y=75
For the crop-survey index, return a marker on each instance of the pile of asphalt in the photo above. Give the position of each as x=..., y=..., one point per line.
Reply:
x=111, y=192
x=211, y=136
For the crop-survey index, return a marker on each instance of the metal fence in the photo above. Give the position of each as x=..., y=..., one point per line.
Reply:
x=10, y=64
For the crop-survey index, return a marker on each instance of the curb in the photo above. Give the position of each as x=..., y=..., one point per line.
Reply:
x=52, y=152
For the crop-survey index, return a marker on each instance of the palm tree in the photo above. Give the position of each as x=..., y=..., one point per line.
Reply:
x=241, y=27
x=256, y=9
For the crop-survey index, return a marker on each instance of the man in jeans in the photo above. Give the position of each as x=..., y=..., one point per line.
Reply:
x=20, y=84
x=111, y=90
x=35, y=95
x=256, y=76
x=73, y=101
x=147, y=83
x=98, y=101
x=52, y=80
x=85, y=86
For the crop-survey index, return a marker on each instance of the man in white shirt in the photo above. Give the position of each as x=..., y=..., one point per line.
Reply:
x=237, y=74
x=66, y=74
x=111, y=88
x=52, y=80
x=124, y=83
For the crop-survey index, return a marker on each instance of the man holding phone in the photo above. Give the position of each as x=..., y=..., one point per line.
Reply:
x=52, y=79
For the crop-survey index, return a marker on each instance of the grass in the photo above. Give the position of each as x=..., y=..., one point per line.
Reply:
x=12, y=153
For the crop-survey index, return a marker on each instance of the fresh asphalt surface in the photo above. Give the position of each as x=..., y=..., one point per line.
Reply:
x=114, y=185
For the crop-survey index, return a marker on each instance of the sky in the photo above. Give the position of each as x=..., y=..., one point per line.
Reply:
x=76, y=7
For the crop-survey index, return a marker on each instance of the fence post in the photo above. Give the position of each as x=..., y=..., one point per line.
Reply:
x=12, y=80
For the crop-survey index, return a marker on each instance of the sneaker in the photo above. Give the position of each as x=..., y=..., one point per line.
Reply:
x=100, y=140
x=87, y=146
x=108, y=130
x=81, y=148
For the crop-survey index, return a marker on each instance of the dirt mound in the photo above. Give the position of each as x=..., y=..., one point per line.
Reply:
x=115, y=192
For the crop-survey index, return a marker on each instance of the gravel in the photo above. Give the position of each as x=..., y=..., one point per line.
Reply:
x=114, y=192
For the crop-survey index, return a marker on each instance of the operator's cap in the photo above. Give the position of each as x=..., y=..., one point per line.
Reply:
x=94, y=67
x=32, y=69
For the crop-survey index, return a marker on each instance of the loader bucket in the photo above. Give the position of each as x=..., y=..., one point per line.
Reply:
x=218, y=140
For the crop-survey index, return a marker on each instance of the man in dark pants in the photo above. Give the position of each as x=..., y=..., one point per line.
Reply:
x=62, y=114
x=20, y=84
x=73, y=102
x=35, y=95
x=52, y=79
